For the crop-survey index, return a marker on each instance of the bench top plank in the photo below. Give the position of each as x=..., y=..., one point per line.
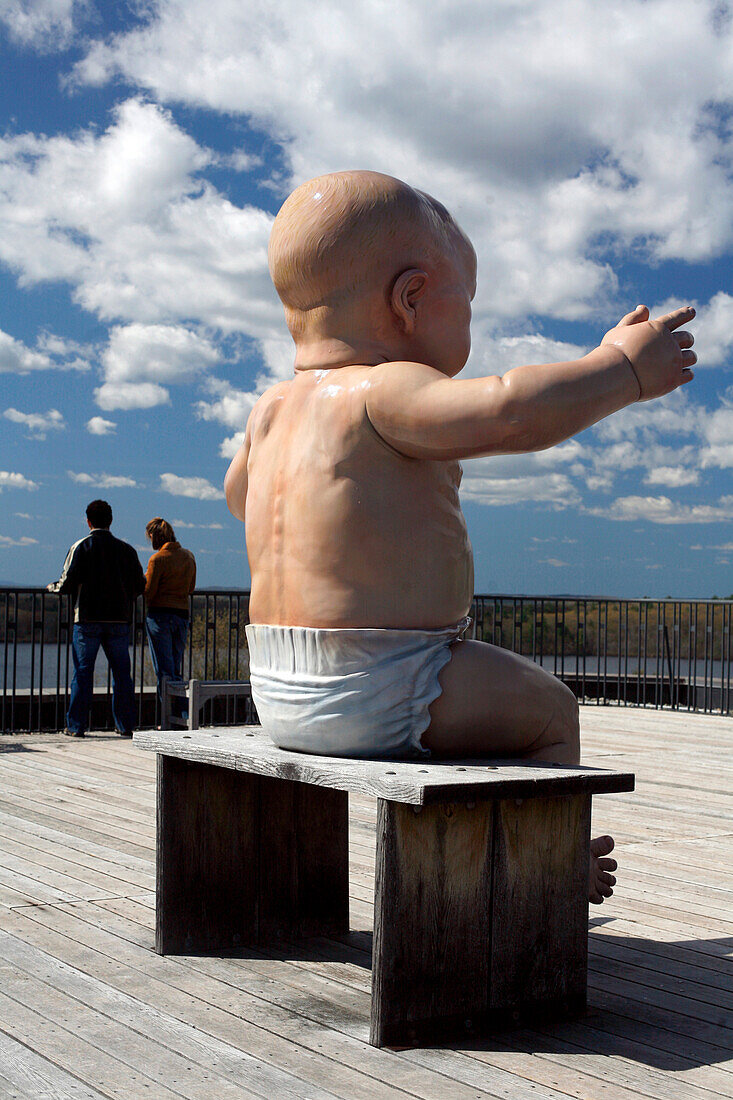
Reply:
x=416, y=783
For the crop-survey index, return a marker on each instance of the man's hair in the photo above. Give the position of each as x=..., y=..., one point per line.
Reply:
x=99, y=513
x=342, y=233
x=159, y=531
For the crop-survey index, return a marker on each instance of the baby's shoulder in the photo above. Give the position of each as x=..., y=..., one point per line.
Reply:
x=267, y=404
x=400, y=372
x=280, y=389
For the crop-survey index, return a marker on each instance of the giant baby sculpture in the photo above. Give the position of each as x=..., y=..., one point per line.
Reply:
x=348, y=479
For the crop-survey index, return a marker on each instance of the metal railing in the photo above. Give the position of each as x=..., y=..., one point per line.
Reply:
x=659, y=653
x=36, y=666
x=671, y=653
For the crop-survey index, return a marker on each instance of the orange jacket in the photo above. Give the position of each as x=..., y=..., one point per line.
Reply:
x=170, y=577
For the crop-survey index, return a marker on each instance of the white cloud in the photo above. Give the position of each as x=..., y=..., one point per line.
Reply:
x=10, y=480
x=197, y=487
x=141, y=357
x=130, y=395
x=666, y=438
x=713, y=330
x=555, y=489
x=199, y=526
x=229, y=446
x=717, y=432
x=37, y=424
x=6, y=541
x=675, y=414
x=497, y=354
x=645, y=161
x=519, y=465
x=70, y=354
x=99, y=426
x=673, y=476
x=239, y=161
x=125, y=217
x=50, y=353
x=44, y=24
x=16, y=358
x=556, y=563
x=104, y=481
x=230, y=407
x=665, y=511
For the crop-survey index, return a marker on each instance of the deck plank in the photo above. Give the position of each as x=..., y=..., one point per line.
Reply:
x=88, y=1011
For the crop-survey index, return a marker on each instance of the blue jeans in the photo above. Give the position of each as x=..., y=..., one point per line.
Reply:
x=167, y=634
x=114, y=639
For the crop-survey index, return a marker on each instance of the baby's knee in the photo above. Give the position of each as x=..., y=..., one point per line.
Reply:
x=565, y=724
x=570, y=717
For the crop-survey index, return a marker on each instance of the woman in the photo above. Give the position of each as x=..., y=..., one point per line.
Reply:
x=169, y=581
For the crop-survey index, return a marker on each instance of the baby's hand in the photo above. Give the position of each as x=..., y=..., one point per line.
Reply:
x=659, y=357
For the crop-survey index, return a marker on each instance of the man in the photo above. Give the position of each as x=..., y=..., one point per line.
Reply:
x=104, y=576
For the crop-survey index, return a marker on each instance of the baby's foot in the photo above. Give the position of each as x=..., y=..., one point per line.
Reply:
x=600, y=882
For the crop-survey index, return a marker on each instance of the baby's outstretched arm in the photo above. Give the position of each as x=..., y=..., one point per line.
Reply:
x=424, y=414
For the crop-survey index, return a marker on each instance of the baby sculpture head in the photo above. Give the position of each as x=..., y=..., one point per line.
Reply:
x=362, y=261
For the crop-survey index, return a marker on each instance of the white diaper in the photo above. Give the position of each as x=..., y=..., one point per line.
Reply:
x=362, y=693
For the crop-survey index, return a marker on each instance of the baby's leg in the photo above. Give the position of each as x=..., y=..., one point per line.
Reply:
x=496, y=703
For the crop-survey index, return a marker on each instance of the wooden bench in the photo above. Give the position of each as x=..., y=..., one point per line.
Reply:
x=196, y=693
x=480, y=909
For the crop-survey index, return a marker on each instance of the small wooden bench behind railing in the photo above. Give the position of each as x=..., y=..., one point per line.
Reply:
x=481, y=912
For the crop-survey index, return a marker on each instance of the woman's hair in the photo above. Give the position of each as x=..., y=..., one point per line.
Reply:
x=159, y=531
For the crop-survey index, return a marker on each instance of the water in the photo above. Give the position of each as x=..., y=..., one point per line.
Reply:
x=595, y=667
x=55, y=675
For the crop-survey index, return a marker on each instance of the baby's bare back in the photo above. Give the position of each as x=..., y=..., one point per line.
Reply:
x=342, y=530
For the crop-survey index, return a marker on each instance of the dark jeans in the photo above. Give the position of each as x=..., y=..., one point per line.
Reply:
x=167, y=634
x=114, y=639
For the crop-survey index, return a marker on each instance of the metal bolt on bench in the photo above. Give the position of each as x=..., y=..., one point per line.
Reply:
x=480, y=906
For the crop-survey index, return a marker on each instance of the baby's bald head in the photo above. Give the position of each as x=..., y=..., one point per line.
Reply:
x=342, y=235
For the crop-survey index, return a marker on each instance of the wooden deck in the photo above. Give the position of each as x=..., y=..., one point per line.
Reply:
x=87, y=1010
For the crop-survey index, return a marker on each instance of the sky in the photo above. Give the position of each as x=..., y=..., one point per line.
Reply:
x=145, y=148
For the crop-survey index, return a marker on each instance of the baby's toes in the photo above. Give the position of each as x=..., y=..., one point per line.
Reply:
x=607, y=864
x=602, y=845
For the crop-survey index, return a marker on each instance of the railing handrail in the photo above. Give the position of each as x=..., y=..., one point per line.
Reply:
x=566, y=596
x=603, y=599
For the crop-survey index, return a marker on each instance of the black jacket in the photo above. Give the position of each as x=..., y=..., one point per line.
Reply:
x=104, y=576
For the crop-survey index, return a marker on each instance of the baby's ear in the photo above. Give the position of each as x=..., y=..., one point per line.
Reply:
x=407, y=290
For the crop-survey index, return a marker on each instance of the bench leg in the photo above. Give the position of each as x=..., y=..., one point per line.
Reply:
x=245, y=859
x=194, y=704
x=539, y=946
x=480, y=916
x=165, y=706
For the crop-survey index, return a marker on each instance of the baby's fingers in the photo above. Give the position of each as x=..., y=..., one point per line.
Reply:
x=684, y=338
x=688, y=359
x=641, y=313
x=677, y=317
